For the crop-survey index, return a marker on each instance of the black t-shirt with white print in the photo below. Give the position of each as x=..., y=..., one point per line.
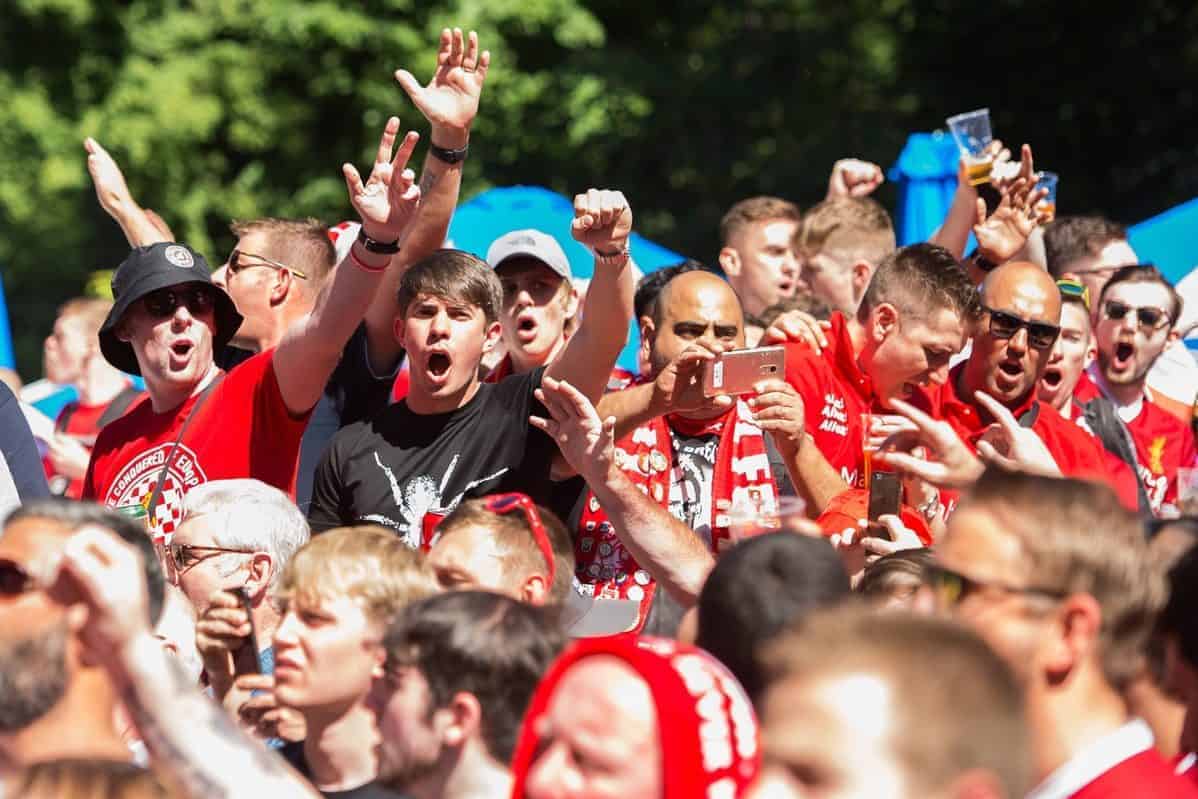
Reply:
x=394, y=467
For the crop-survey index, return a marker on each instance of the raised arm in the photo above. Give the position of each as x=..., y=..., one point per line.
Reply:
x=450, y=103
x=140, y=226
x=192, y=742
x=664, y=546
x=386, y=204
x=602, y=224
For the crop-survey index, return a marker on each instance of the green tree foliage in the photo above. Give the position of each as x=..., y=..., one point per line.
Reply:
x=223, y=109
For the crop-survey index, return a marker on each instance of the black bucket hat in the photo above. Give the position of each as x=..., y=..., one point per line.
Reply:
x=148, y=269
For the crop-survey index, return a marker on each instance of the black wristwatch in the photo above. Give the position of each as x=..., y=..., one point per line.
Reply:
x=374, y=245
x=981, y=262
x=447, y=155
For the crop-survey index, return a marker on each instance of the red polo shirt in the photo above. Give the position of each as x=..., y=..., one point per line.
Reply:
x=836, y=392
x=1077, y=453
x=1163, y=442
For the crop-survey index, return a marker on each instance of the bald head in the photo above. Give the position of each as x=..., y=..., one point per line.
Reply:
x=694, y=306
x=1022, y=279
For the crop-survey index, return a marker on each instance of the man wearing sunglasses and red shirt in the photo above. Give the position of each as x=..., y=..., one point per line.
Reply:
x=1012, y=342
x=197, y=424
x=1136, y=314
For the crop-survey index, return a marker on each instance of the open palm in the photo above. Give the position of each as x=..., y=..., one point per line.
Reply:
x=451, y=97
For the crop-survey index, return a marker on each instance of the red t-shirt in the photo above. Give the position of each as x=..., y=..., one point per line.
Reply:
x=82, y=424
x=1077, y=453
x=1164, y=443
x=1146, y=774
x=243, y=429
x=836, y=392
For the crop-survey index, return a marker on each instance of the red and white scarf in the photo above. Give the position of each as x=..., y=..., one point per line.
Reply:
x=741, y=478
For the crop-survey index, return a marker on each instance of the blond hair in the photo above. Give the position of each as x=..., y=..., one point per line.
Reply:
x=970, y=716
x=365, y=563
x=1076, y=538
x=851, y=227
x=90, y=311
x=755, y=209
x=301, y=244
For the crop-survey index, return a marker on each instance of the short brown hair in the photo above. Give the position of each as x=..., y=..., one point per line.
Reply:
x=366, y=563
x=969, y=716
x=855, y=226
x=918, y=280
x=83, y=779
x=90, y=311
x=302, y=244
x=453, y=275
x=520, y=550
x=1078, y=539
x=1070, y=238
x=1145, y=273
x=755, y=209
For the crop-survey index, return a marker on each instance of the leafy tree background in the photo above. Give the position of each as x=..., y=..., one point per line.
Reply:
x=223, y=109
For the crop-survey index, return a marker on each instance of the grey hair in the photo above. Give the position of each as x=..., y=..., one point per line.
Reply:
x=249, y=514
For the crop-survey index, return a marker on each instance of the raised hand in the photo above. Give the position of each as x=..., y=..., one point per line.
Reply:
x=602, y=221
x=586, y=442
x=794, y=326
x=955, y=466
x=450, y=100
x=852, y=177
x=388, y=201
x=1012, y=446
x=111, y=189
x=1004, y=233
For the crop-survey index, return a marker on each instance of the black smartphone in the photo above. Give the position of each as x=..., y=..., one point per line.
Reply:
x=885, y=496
x=245, y=659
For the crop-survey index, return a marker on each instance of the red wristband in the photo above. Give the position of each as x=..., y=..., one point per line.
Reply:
x=365, y=267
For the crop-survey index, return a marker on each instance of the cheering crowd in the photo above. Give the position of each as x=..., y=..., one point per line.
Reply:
x=387, y=519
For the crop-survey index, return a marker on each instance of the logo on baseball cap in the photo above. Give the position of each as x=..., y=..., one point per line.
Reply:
x=530, y=243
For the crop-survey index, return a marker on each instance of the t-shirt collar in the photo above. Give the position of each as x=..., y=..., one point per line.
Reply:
x=1095, y=760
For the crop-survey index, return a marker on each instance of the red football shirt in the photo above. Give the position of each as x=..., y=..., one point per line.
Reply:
x=1146, y=774
x=1164, y=443
x=82, y=424
x=243, y=429
x=1077, y=453
x=836, y=392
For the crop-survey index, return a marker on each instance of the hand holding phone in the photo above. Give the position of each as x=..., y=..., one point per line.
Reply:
x=738, y=371
x=245, y=658
x=885, y=497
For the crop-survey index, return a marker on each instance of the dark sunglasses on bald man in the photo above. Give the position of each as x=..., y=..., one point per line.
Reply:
x=1040, y=335
x=164, y=302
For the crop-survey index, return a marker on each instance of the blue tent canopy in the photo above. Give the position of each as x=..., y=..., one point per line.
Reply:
x=926, y=176
x=489, y=215
x=1169, y=240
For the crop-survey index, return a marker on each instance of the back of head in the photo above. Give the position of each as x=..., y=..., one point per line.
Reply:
x=851, y=228
x=898, y=572
x=649, y=286
x=453, y=275
x=522, y=555
x=89, y=779
x=758, y=588
x=481, y=643
x=74, y=515
x=919, y=280
x=1077, y=538
x=751, y=211
x=248, y=514
x=953, y=705
x=1069, y=239
x=1180, y=616
x=366, y=563
x=302, y=244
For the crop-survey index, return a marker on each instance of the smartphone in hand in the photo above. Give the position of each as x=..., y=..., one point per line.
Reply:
x=885, y=496
x=738, y=371
x=245, y=659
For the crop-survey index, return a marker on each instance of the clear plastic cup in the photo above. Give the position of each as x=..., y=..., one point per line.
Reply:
x=971, y=131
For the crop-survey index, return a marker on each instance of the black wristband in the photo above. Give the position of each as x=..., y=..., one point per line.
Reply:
x=374, y=245
x=447, y=155
x=981, y=262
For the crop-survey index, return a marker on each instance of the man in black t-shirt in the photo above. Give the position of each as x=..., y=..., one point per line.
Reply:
x=453, y=437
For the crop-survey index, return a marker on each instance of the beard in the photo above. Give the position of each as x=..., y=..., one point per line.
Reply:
x=410, y=770
x=33, y=677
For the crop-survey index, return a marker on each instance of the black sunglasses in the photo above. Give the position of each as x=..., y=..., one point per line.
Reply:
x=164, y=302
x=1151, y=318
x=952, y=587
x=1040, y=335
x=14, y=580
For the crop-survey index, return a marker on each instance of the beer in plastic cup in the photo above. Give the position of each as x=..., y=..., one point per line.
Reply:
x=971, y=132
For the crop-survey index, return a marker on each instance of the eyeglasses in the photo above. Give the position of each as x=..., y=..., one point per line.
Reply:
x=182, y=556
x=236, y=265
x=1151, y=318
x=952, y=587
x=511, y=503
x=163, y=303
x=1040, y=335
x=14, y=580
x=1074, y=289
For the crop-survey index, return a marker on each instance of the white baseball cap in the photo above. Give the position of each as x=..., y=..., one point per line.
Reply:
x=532, y=244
